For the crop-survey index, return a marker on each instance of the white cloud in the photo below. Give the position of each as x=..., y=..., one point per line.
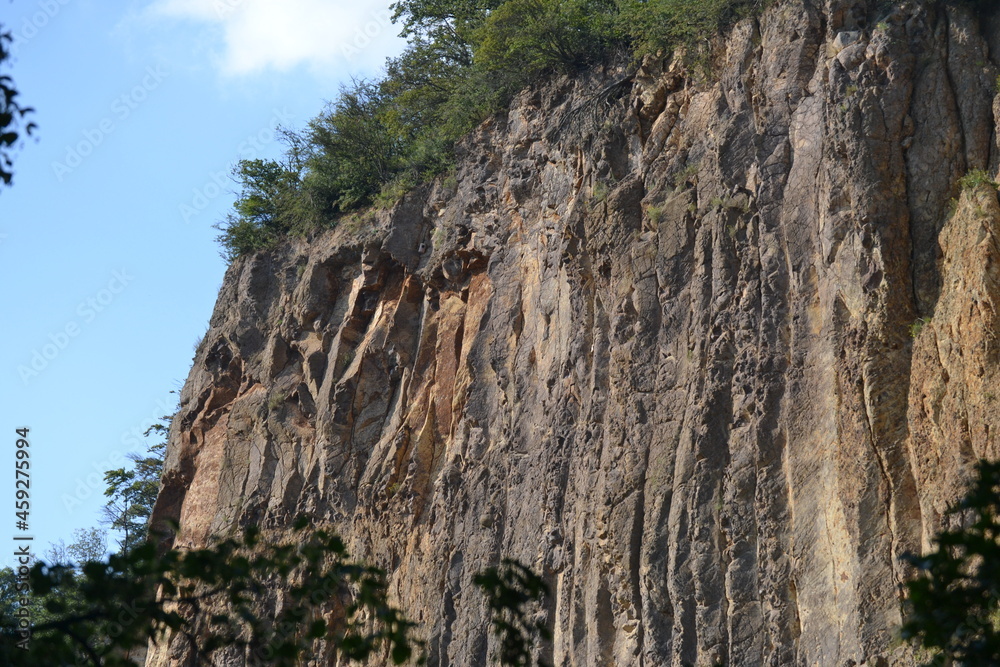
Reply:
x=267, y=34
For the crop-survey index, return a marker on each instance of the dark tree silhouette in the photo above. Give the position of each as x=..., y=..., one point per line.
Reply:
x=954, y=599
x=14, y=124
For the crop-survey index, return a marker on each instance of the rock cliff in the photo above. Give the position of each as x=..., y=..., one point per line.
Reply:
x=708, y=353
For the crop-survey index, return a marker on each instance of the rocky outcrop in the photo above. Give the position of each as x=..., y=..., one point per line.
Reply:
x=711, y=355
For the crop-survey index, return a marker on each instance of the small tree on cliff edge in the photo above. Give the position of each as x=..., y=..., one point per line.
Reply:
x=955, y=596
x=132, y=490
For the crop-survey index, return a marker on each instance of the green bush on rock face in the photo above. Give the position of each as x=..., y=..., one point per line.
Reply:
x=511, y=591
x=976, y=178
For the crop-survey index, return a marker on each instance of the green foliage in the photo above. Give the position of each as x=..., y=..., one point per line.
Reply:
x=535, y=36
x=88, y=544
x=211, y=598
x=954, y=599
x=436, y=98
x=394, y=191
x=917, y=326
x=689, y=173
x=13, y=117
x=600, y=192
x=131, y=493
x=103, y=612
x=339, y=164
x=42, y=608
x=660, y=25
x=276, y=400
x=17, y=602
x=9, y=595
x=444, y=26
x=265, y=209
x=132, y=490
x=241, y=237
x=353, y=149
x=511, y=591
x=976, y=178
x=465, y=60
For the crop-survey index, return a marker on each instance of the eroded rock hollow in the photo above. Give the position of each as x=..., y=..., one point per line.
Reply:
x=711, y=354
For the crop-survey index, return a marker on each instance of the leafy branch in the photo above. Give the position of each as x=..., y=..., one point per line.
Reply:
x=12, y=114
x=511, y=590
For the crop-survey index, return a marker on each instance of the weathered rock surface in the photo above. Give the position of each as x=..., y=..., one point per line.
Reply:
x=656, y=340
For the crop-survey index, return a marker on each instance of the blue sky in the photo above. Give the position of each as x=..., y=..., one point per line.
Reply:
x=107, y=253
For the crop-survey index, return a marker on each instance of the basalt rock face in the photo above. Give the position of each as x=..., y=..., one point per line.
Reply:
x=708, y=355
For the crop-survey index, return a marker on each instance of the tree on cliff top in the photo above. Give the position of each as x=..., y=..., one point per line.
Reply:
x=131, y=493
x=465, y=61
